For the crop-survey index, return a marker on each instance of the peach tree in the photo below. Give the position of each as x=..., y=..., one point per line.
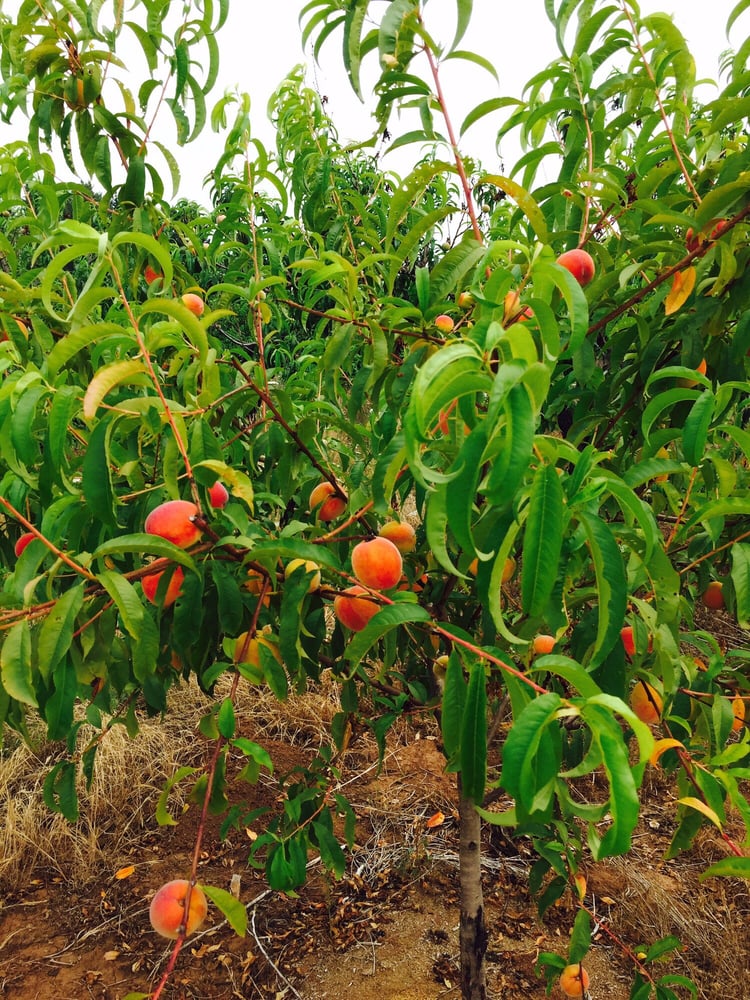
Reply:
x=548, y=377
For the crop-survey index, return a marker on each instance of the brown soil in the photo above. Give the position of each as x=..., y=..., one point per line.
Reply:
x=389, y=929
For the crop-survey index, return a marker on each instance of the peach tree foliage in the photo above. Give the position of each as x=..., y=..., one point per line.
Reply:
x=582, y=441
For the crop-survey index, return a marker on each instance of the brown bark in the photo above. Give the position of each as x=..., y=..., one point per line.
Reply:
x=472, y=929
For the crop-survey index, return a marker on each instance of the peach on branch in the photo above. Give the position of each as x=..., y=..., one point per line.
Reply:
x=218, y=495
x=328, y=503
x=543, y=644
x=247, y=648
x=173, y=520
x=167, y=910
x=646, y=702
x=23, y=541
x=151, y=583
x=311, y=568
x=444, y=323
x=354, y=608
x=401, y=533
x=713, y=596
x=194, y=303
x=377, y=563
x=579, y=263
x=574, y=980
x=151, y=274
x=514, y=311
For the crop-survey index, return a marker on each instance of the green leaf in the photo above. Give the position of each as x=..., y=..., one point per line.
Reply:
x=15, y=664
x=353, y=23
x=542, y=542
x=731, y=867
x=623, y=800
x=611, y=585
x=232, y=908
x=524, y=201
x=56, y=633
x=97, y=476
x=106, y=378
x=59, y=790
x=58, y=709
x=520, y=776
x=163, y=817
x=473, y=749
x=127, y=600
x=695, y=431
x=388, y=618
x=225, y=719
x=141, y=543
x=740, y=553
x=452, y=706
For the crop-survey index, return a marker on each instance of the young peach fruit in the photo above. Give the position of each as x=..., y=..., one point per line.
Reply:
x=354, y=610
x=738, y=710
x=23, y=541
x=692, y=239
x=574, y=980
x=172, y=520
x=311, y=568
x=401, y=533
x=646, y=702
x=151, y=582
x=579, y=263
x=218, y=495
x=713, y=596
x=167, y=910
x=628, y=640
x=377, y=563
x=194, y=303
x=465, y=300
x=327, y=501
x=543, y=644
x=444, y=323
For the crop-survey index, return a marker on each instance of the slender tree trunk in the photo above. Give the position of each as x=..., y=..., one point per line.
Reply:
x=473, y=929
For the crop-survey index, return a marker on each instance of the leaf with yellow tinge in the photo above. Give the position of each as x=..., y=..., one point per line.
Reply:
x=437, y=819
x=107, y=378
x=682, y=285
x=701, y=807
x=125, y=872
x=580, y=882
x=660, y=747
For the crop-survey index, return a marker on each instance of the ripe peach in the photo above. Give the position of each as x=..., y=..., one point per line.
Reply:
x=151, y=582
x=738, y=710
x=690, y=383
x=354, y=610
x=328, y=502
x=574, y=980
x=713, y=596
x=509, y=568
x=247, y=650
x=646, y=702
x=543, y=644
x=628, y=640
x=718, y=229
x=218, y=495
x=377, y=563
x=513, y=310
x=692, y=239
x=401, y=533
x=444, y=323
x=194, y=303
x=150, y=274
x=465, y=300
x=23, y=541
x=579, y=263
x=311, y=568
x=167, y=910
x=173, y=520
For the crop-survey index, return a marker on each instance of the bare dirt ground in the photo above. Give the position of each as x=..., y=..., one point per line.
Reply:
x=388, y=930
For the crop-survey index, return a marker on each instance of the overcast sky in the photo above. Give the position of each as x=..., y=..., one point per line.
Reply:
x=260, y=44
x=515, y=35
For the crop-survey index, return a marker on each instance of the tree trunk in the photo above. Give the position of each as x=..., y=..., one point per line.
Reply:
x=472, y=929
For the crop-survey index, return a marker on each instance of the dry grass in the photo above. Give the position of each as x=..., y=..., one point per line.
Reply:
x=129, y=775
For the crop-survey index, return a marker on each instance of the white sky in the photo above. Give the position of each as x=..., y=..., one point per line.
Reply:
x=515, y=35
x=258, y=47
